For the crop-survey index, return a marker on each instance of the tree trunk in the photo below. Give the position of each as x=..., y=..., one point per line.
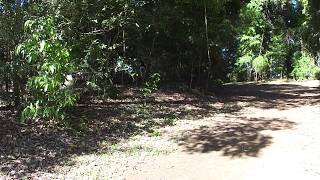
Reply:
x=208, y=47
x=191, y=76
x=16, y=80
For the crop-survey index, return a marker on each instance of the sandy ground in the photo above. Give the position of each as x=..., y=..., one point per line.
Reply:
x=274, y=136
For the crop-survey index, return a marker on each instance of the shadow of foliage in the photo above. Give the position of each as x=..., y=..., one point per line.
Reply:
x=268, y=96
x=97, y=124
x=234, y=139
x=94, y=127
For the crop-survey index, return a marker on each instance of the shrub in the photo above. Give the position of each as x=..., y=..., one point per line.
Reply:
x=50, y=63
x=150, y=85
x=260, y=66
x=303, y=66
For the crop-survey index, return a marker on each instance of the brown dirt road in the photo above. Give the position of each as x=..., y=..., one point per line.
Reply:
x=274, y=135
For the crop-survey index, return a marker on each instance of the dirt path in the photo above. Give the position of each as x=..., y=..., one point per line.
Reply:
x=274, y=135
x=246, y=132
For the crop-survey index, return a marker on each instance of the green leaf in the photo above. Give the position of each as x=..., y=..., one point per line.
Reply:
x=42, y=45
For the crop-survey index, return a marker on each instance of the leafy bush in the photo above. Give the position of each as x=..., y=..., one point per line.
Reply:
x=303, y=66
x=260, y=64
x=243, y=68
x=150, y=85
x=49, y=62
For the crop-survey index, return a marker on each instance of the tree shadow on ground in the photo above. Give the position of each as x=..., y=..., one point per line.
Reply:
x=96, y=125
x=40, y=146
x=268, y=96
x=233, y=139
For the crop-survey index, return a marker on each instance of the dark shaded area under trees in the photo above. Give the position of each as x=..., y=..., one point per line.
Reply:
x=103, y=44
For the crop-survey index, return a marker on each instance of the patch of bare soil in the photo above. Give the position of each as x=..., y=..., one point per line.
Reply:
x=273, y=136
x=249, y=131
x=104, y=138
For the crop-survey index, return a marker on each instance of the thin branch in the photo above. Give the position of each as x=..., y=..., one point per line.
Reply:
x=100, y=31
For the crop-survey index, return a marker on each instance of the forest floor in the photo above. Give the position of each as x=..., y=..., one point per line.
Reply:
x=240, y=131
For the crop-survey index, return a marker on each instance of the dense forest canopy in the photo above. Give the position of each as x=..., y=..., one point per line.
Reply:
x=104, y=43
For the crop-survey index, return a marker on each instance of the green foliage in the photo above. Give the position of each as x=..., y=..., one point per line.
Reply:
x=268, y=37
x=252, y=21
x=277, y=55
x=97, y=33
x=304, y=67
x=251, y=38
x=260, y=64
x=49, y=62
x=243, y=68
x=151, y=84
x=106, y=40
x=155, y=133
x=252, y=13
x=244, y=61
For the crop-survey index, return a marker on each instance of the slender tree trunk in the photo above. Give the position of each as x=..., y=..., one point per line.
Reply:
x=7, y=82
x=208, y=47
x=16, y=84
x=124, y=54
x=261, y=45
x=153, y=44
x=191, y=76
